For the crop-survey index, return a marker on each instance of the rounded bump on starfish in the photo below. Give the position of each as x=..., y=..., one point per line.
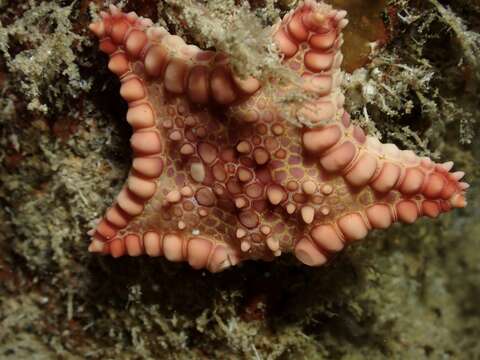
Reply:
x=448, y=165
x=136, y=41
x=248, y=85
x=317, y=61
x=106, y=229
x=156, y=60
x=317, y=18
x=197, y=172
x=186, y=191
x=458, y=200
x=318, y=112
x=174, y=76
x=129, y=203
x=319, y=140
x=265, y=230
x=285, y=44
x=431, y=209
x=115, y=11
x=205, y=197
x=244, y=174
x=309, y=187
x=116, y=216
x=133, y=245
x=240, y=233
x=156, y=33
x=261, y=156
x=141, y=116
x=119, y=64
x=449, y=190
x=458, y=175
x=326, y=189
x=276, y=194
x=343, y=23
x=175, y=135
x=150, y=167
x=152, y=242
x=219, y=260
x=198, y=250
x=308, y=214
x=132, y=89
x=107, y=46
x=244, y=147
x=297, y=29
x=413, y=181
x=146, y=142
x=117, y=248
x=379, y=216
x=173, y=196
x=172, y=247
x=142, y=188
x=321, y=84
x=98, y=28
x=96, y=246
x=359, y=135
x=326, y=238
x=352, y=227
x=308, y=253
x=273, y=244
x=207, y=152
x=363, y=170
x=222, y=86
x=198, y=84
x=290, y=208
x=407, y=211
x=464, y=185
x=245, y=245
x=187, y=149
x=341, y=14
x=132, y=17
x=434, y=185
x=387, y=179
x=249, y=219
x=339, y=158
x=119, y=30
x=323, y=41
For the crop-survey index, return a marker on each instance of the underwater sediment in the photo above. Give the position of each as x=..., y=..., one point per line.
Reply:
x=409, y=292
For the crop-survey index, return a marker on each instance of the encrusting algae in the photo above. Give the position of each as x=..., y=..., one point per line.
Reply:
x=409, y=292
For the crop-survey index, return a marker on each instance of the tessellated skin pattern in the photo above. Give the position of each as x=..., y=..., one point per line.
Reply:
x=220, y=176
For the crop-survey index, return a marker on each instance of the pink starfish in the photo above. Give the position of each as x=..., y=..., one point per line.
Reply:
x=219, y=175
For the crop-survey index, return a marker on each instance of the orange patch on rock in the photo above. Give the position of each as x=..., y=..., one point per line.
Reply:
x=365, y=26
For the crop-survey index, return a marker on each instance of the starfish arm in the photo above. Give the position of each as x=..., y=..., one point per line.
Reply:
x=310, y=37
x=309, y=40
x=376, y=184
x=143, y=56
x=203, y=76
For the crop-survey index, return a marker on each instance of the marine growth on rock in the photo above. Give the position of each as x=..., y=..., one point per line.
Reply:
x=223, y=172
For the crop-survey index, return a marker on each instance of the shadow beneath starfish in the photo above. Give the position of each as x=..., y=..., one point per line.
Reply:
x=280, y=293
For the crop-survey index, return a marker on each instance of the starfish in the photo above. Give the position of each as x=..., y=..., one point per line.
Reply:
x=222, y=173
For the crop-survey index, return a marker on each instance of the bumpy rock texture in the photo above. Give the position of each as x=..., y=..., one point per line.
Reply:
x=407, y=292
